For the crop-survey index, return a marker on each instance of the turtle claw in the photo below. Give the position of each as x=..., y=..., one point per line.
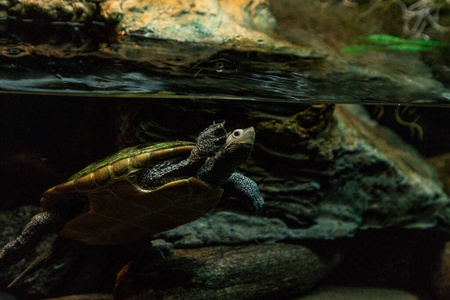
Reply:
x=210, y=141
x=257, y=206
x=223, y=123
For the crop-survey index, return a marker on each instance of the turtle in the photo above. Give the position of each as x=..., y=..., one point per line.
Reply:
x=140, y=191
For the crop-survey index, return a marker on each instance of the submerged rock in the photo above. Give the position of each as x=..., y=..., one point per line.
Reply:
x=442, y=165
x=244, y=272
x=358, y=293
x=86, y=297
x=326, y=177
x=442, y=274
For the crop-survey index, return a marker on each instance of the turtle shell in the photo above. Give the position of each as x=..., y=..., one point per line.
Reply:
x=117, y=210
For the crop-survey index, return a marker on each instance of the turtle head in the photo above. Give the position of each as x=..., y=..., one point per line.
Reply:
x=239, y=145
x=245, y=137
x=237, y=149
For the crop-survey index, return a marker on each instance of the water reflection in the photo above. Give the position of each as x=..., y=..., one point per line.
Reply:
x=89, y=60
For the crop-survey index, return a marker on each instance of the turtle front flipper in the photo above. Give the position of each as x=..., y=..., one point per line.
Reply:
x=246, y=190
x=209, y=142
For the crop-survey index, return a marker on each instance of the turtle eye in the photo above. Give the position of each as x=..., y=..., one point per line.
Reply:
x=234, y=136
x=237, y=133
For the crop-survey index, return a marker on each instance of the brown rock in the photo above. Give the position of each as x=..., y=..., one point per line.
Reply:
x=442, y=276
x=85, y=297
x=358, y=293
x=442, y=165
x=224, y=272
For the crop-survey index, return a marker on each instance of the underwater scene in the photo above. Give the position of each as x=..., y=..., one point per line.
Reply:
x=225, y=149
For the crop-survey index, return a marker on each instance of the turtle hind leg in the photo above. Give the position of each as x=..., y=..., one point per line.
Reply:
x=52, y=253
x=39, y=225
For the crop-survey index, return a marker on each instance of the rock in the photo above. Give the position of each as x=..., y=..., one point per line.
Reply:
x=442, y=274
x=244, y=272
x=85, y=297
x=7, y=296
x=161, y=17
x=224, y=227
x=401, y=174
x=442, y=165
x=57, y=10
x=404, y=259
x=357, y=293
x=242, y=24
